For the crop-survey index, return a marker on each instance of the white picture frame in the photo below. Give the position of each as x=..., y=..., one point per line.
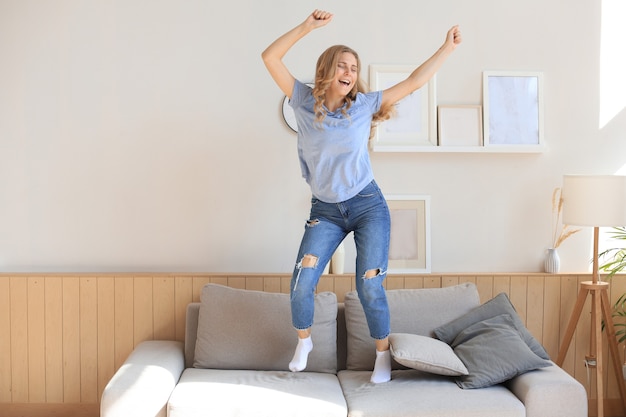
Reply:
x=414, y=125
x=460, y=125
x=513, y=108
x=409, y=247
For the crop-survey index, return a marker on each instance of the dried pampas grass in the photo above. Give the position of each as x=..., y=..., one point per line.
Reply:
x=557, y=209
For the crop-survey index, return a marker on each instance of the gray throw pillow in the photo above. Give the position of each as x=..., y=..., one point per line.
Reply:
x=245, y=329
x=425, y=354
x=494, y=352
x=414, y=311
x=500, y=304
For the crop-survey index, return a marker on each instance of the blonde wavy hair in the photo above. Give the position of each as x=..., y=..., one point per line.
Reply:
x=325, y=71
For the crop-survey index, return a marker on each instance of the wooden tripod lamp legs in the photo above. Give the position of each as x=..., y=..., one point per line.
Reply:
x=600, y=308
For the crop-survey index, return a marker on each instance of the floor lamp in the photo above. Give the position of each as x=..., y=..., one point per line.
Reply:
x=596, y=201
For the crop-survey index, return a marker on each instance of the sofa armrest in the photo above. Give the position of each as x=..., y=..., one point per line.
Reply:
x=550, y=392
x=143, y=384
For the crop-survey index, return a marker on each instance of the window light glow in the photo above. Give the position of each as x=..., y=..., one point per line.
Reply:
x=612, y=61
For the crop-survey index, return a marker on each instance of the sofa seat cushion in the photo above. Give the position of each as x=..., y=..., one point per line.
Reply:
x=412, y=393
x=414, y=311
x=240, y=393
x=252, y=330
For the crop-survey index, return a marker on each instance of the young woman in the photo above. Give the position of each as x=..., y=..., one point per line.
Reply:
x=335, y=119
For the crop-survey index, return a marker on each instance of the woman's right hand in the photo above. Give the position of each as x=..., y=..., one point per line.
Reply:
x=318, y=18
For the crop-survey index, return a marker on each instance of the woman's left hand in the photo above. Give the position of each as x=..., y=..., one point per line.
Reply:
x=453, y=37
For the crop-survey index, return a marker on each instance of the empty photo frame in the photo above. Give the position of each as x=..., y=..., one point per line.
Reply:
x=409, y=247
x=513, y=108
x=460, y=125
x=415, y=123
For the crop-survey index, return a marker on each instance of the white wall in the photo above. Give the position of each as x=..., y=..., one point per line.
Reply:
x=146, y=135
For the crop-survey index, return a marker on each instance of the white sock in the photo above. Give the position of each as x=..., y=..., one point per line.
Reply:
x=298, y=363
x=382, y=367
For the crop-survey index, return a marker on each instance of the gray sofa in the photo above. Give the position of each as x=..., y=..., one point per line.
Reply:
x=452, y=357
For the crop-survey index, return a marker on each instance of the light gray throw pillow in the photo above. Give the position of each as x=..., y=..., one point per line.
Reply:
x=425, y=354
x=493, y=352
x=414, y=311
x=245, y=329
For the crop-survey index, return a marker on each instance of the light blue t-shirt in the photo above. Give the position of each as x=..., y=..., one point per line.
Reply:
x=334, y=157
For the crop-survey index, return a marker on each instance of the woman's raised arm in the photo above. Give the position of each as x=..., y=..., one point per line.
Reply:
x=273, y=54
x=422, y=74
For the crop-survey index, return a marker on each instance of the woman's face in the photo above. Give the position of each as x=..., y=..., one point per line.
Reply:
x=346, y=74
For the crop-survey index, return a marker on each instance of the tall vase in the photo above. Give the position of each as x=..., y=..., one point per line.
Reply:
x=337, y=262
x=552, y=263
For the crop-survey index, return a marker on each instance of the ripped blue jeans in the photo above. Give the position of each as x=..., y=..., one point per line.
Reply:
x=367, y=215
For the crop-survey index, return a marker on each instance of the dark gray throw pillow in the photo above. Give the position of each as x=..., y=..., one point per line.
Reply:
x=500, y=304
x=493, y=352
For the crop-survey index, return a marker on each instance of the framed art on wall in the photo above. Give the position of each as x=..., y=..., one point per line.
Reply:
x=513, y=108
x=415, y=123
x=460, y=125
x=409, y=247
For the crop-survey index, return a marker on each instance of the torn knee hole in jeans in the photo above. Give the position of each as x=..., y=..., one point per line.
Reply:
x=371, y=273
x=309, y=261
x=312, y=222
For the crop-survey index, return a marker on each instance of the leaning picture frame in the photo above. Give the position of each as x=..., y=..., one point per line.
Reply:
x=414, y=124
x=409, y=246
x=513, y=108
x=460, y=125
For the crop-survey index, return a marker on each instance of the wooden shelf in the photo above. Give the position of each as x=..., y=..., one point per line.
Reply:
x=464, y=149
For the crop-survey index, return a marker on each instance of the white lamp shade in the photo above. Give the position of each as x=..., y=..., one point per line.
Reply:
x=594, y=200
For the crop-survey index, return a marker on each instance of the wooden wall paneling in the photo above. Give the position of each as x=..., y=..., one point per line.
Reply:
x=272, y=284
x=535, y=304
x=213, y=279
x=467, y=278
x=449, y=281
x=551, y=312
x=237, y=282
x=71, y=339
x=502, y=283
x=326, y=283
x=124, y=318
x=183, y=287
x=519, y=295
x=484, y=283
x=581, y=342
x=255, y=283
x=53, y=310
x=201, y=281
x=36, y=340
x=569, y=293
x=344, y=284
x=617, y=287
x=5, y=341
x=432, y=282
x=394, y=283
x=285, y=285
x=88, y=307
x=106, y=331
x=143, y=313
x=19, y=339
x=164, y=308
x=414, y=282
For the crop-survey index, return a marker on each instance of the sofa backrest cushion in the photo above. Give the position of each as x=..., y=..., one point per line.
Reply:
x=245, y=329
x=414, y=311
